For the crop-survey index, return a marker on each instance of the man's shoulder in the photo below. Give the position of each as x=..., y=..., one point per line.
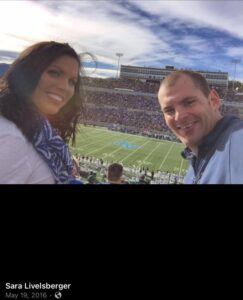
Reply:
x=233, y=130
x=231, y=121
x=236, y=138
x=236, y=128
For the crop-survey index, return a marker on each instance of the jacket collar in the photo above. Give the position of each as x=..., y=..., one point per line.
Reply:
x=209, y=140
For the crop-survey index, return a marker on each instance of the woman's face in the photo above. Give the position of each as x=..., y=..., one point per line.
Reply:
x=56, y=85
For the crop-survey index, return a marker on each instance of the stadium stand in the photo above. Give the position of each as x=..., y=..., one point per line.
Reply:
x=131, y=106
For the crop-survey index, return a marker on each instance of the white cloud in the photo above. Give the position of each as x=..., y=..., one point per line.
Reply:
x=235, y=52
x=194, y=43
x=22, y=23
x=101, y=73
x=221, y=15
x=107, y=27
x=98, y=31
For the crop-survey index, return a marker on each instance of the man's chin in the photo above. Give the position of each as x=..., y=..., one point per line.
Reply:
x=187, y=143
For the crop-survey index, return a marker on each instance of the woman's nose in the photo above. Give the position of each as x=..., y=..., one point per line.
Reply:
x=63, y=84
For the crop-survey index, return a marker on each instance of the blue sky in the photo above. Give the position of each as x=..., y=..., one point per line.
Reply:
x=199, y=35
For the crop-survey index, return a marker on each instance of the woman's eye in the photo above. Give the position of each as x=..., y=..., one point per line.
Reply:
x=73, y=82
x=53, y=73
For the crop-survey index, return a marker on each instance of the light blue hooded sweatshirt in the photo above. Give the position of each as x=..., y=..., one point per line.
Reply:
x=220, y=155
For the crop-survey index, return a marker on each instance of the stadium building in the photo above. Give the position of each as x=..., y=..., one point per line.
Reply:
x=216, y=79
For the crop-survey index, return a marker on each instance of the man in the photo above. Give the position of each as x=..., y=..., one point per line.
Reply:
x=114, y=174
x=213, y=142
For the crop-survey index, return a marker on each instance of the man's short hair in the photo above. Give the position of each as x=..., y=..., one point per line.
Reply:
x=115, y=171
x=198, y=80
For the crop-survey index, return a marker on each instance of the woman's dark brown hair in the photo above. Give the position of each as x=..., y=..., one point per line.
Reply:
x=20, y=82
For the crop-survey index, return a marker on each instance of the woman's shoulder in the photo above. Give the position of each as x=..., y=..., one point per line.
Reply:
x=6, y=124
x=12, y=139
x=19, y=161
x=7, y=127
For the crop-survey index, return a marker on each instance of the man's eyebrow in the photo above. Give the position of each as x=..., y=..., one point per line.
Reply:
x=188, y=98
x=169, y=105
x=166, y=107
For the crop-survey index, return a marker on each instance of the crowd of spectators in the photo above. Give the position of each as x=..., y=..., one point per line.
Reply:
x=136, y=113
x=127, y=113
x=126, y=101
x=94, y=170
x=143, y=121
x=151, y=87
x=132, y=84
x=228, y=95
x=229, y=110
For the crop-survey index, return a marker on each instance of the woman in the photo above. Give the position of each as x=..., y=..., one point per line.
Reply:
x=40, y=106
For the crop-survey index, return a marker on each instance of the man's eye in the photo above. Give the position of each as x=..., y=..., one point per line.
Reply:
x=169, y=111
x=189, y=102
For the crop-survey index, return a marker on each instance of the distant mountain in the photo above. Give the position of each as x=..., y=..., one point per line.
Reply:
x=3, y=68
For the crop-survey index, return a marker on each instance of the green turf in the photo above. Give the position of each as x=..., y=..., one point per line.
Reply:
x=130, y=149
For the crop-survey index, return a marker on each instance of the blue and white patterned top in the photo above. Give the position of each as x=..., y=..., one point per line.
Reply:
x=54, y=151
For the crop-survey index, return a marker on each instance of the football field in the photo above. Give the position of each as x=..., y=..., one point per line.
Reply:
x=130, y=150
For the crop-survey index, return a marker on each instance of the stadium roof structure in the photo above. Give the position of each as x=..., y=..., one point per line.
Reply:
x=217, y=79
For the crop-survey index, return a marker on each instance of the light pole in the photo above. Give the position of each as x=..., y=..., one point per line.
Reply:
x=119, y=55
x=235, y=61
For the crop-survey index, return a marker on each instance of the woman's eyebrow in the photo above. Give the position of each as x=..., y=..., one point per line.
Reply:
x=62, y=71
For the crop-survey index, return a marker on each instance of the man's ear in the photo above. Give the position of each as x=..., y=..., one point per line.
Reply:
x=215, y=99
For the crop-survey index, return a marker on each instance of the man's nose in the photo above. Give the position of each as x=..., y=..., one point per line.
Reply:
x=179, y=114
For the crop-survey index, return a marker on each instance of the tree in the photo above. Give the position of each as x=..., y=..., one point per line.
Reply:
x=237, y=85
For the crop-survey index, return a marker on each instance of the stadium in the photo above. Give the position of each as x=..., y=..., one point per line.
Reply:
x=123, y=123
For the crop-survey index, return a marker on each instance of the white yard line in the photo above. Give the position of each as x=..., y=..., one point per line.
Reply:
x=106, y=145
x=182, y=159
x=89, y=132
x=108, y=138
x=97, y=140
x=166, y=156
x=132, y=141
x=130, y=154
x=101, y=138
x=149, y=154
x=96, y=150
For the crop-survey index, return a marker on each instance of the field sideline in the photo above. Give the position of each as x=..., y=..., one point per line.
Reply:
x=130, y=150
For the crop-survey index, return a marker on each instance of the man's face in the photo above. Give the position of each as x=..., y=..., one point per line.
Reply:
x=188, y=112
